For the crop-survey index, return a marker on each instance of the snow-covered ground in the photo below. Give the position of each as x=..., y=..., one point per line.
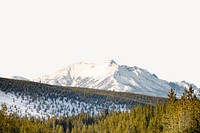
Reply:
x=41, y=108
x=111, y=76
x=18, y=78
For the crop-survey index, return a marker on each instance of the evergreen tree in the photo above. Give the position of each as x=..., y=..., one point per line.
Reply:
x=172, y=96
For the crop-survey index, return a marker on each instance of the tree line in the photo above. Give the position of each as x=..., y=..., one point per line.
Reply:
x=177, y=116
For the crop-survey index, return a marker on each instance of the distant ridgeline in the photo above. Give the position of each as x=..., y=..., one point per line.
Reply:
x=42, y=100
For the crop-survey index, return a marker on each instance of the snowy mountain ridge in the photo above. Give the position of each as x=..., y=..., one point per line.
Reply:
x=111, y=76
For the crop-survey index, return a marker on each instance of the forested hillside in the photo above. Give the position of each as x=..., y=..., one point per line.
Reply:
x=42, y=100
x=177, y=116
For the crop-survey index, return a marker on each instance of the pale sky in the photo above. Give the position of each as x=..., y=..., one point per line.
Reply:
x=42, y=36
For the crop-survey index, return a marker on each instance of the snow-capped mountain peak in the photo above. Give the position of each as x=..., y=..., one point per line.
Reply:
x=111, y=76
x=110, y=63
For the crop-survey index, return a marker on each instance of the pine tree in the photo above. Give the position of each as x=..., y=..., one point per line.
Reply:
x=172, y=96
x=59, y=129
x=190, y=93
x=84, y=129
x=67, y=130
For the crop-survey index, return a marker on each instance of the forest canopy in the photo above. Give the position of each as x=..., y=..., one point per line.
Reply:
x=177, y=116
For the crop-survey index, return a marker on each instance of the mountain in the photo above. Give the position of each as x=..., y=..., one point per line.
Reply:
x=112, y=76
x=43, y=100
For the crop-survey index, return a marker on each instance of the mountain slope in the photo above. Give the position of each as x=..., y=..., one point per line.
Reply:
x=42, y=100
x=111, y=76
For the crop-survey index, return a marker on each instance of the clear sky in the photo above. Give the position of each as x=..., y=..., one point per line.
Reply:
x=42, y=36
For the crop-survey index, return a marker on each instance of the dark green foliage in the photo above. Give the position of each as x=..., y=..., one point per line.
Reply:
x=93, y=96
x=182, y=118
x=14, y=124
x=176, y=116
x=172, y=96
